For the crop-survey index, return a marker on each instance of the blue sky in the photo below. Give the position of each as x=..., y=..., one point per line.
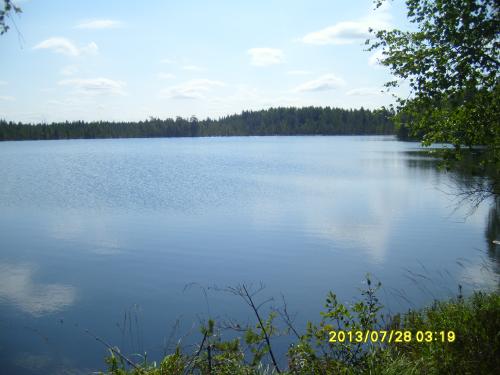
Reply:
x=129, y=60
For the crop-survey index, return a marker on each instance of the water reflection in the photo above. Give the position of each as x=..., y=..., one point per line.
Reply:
x=492, y=233
x=98, y=234
x=302, y=214
x=369, y=233
x=17, y=287
x=468, y=193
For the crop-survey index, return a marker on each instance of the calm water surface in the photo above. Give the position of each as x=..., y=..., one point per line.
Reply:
x=105, y=235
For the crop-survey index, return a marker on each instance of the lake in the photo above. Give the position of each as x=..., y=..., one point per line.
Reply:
x=130, y=238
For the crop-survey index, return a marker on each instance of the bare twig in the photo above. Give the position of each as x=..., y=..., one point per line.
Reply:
x=173, y=331
x=233, y=325
x=209, y=359
x=114, y=350
x=188, y=367
x=243, y=292
x=204, y=291
x=474, y=193
x=287, y=319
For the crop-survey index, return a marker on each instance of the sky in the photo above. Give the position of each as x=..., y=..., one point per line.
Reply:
x=131, y=60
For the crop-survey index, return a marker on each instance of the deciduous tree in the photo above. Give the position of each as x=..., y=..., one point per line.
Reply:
x=451, y=63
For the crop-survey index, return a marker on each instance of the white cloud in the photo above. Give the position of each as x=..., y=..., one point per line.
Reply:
x=298, y=72
x=59, y=45
x=376, y=58
x=265, y=56
x=91, y=49
x=66, y=47
x=167, y=61
x=365, y=91
x=99, y=24
x=3, y=83
x=347, y=32
x=192, y=68
x=66, y=102
x=323, y=83
x=95, y=86
x=69, y=70
x=6, y=98
x=193, y=89
x=341, y=33
x=162, y=75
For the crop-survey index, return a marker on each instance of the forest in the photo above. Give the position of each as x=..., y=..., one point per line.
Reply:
x=273, y=121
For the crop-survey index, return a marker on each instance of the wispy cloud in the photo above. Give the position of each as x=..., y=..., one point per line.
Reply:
x=99, y=24
x=66, y=47
x=69, y=70
x=193, y=89
x=192, y=68
x=341, y=33
x=183, y=64
x=323, y=83
x=68, y=101
x=6, y=98
x=3, y=83
x=365, y=91
x=347, y=32
x=95, y=86
x=162, y=75
x=298, y=72
x=265, y=56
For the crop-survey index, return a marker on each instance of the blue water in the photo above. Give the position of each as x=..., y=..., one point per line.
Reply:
x=105, y=235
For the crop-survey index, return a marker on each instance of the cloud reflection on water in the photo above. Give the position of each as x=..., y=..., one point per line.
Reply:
x=17, y=287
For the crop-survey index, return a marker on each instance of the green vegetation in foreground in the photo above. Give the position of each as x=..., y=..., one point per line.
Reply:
x=273, y=121
x=475, y=349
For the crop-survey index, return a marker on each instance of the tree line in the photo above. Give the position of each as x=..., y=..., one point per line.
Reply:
x=273, y=121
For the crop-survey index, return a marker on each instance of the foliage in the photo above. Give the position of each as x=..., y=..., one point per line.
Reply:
x=476, y=322
x=8, y=8
x=361, y=316
x=451, y=63
x=274, y=121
